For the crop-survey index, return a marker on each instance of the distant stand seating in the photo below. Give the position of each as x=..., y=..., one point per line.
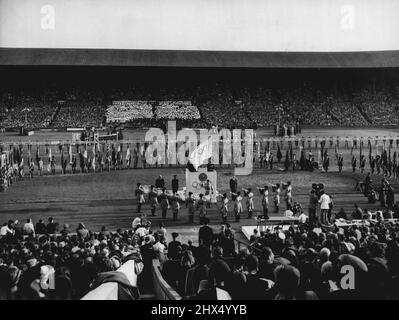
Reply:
x=126, y=111
x=171, y=110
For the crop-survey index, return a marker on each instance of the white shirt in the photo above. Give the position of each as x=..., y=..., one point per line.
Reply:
x=288, y=213
x=4, y=230
x=266, y=197
x=159, y=247
x=289, y=191
x=302, y=218
x=29, y=228
x=136, y=222
x=141, y=232
x=324, y=202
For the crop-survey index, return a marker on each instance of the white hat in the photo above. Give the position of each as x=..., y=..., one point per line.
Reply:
x=75, y=249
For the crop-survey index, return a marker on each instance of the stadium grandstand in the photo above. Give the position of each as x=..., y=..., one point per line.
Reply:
x=232, y=99
x=108, y=190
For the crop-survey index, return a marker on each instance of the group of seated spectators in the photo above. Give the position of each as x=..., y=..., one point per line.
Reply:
x=378, y=108
x=299, y=262
x=76, y=115
x=218, y=108
x=39, y=115
x=216, y=104
x=172, y=110
x=129, y=110
x=48, y=261
x=304, y=261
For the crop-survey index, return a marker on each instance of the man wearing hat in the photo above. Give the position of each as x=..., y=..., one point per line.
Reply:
x=190, y=207
x=172, y=246
x=163, y=203
x=153, y=197
x=175, y=184
x=160, y=182
x=205, y=234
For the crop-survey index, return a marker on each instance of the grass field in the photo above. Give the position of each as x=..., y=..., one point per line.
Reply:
x=108, y=198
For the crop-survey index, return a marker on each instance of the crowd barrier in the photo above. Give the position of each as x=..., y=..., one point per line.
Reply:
x=162, y=290
x=348, y=223
x=109, y=291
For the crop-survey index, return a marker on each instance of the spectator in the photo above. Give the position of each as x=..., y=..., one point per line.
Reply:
x=29, y=229
x=173, y=245
x=256, y=287
x=52, y=226
x=82, y=232
x=187, y=261
x=197, y=273
x=40, y=227
x=205, y=234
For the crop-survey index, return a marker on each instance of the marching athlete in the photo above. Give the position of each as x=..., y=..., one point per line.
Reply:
x=265, y=201
x=201, y=207
x=174, y=203
x=139, y=193
x=277, y=197
x=224, y=207
x=249, y=202
x=237, y=206
x=288, y=194
x=190, y=205
x=163, y=203
x=153, y=198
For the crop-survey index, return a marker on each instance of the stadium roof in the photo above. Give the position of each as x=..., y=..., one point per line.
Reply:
x=171, y=58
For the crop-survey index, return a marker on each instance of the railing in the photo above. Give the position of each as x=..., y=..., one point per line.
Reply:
x=239, y=243
x=109, y=290
x=162, y=290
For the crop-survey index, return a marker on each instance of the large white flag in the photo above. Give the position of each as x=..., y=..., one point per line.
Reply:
x=201, y=153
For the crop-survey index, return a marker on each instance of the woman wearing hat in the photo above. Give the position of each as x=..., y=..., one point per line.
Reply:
x=265, y=202
x=190, y=206
x=224, y=207
x=163, y=203
x=174, y=203
x=153, y=197
x=139, y=196
x=201, y=207
x=237, y=206
x=250, y=201
x=277, y=197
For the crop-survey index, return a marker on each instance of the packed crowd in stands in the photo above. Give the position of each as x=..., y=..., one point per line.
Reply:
x=261, y=107
x=46, y=261
x=214, y=103
x=128, y=110
x=172, y=110
x=220, y=109
x=49, y=261
x=378, y=108
x=39, y=114
x=74, y=115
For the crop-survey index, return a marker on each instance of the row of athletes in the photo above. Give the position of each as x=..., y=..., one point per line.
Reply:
x=164, y=200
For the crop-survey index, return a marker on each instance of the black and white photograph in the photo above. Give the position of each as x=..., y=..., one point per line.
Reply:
x=199, y=155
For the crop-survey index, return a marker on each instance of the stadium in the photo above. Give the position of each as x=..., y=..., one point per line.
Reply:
x=125, y=131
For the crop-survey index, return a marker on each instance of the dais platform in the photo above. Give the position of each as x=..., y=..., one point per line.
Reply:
x=269, y=224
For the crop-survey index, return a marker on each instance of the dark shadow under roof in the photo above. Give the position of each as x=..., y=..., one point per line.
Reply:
x=172, y=58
